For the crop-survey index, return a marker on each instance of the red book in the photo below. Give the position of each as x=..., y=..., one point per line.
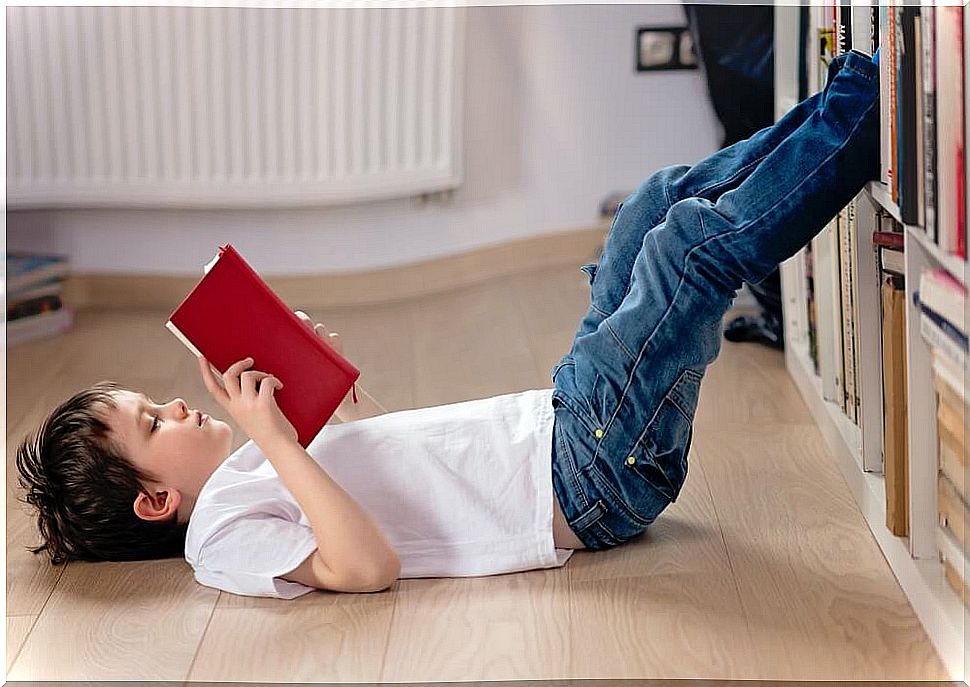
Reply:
x=232, y=314
x=888, y=239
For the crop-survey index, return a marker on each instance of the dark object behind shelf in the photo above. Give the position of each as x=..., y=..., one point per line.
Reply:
x=736, y=44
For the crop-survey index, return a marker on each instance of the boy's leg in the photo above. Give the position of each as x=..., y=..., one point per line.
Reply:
x=646, y=207
x=633, y=382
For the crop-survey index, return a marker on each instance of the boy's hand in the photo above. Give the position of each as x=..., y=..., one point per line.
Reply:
x=247, y=395
x=332, y=338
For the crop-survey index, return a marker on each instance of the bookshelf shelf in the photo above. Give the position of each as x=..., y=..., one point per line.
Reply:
x=839, y=288
x=951, y=263
x=881, y=194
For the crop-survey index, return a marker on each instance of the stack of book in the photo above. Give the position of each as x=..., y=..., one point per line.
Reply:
x=34, y=307
x=942, y=302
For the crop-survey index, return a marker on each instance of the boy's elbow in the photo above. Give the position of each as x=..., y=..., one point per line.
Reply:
x=381, y=578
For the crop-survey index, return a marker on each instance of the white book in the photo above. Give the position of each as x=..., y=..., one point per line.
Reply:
x=945, y=296
x=950, y=371
x=939, y=339
x=829, y=368
x=39, y=326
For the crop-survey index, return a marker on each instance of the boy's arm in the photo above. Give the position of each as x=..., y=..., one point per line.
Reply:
x=352, y=552
x=352, y=555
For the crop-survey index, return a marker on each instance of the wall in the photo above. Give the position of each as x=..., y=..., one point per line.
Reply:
x=555, y=119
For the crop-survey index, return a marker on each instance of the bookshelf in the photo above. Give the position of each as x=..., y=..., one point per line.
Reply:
x=858, y=445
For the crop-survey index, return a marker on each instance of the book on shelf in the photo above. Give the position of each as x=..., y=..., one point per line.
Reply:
x=811, y=307
x=949, y=371
x=928, y=82
x=955, y=563
x=895, y=441
x=951, y=435
x=942, y=336
x=889, y=252
x=944, y=295
x=232, y=314
x=950, y=130
x=952, y=510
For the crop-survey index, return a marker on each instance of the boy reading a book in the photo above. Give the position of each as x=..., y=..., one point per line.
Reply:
x=481, y=487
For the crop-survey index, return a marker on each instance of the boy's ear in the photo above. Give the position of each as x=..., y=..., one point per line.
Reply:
x=160, y=505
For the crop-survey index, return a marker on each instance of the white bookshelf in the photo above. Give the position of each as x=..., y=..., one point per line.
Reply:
x=914, y=560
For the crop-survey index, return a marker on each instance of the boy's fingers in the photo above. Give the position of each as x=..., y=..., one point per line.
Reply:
x=268, y=386
x=210, y=381
x=248, y=381
x=231, y=375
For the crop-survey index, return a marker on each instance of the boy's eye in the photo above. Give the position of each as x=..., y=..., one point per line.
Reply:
x=154, y=422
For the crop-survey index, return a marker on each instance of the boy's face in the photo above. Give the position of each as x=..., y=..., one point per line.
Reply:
x=168, y=441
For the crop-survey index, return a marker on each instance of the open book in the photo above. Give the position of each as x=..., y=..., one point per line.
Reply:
x=232, y=314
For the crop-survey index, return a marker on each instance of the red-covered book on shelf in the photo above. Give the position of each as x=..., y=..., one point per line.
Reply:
x=232, y=313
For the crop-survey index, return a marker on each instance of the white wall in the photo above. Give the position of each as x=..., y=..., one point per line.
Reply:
x=555, y=118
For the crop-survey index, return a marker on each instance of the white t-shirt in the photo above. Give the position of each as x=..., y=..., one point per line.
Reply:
x=463, y=489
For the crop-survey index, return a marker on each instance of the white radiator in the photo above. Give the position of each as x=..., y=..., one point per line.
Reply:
x=230, y=107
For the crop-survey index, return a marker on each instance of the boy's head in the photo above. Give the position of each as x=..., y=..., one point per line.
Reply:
x=114, y=476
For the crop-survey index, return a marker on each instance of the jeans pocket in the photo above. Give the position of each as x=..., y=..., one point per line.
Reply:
x=660, y=455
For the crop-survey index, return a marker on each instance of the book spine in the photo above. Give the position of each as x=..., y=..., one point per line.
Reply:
x=908, y=159
x=835, y=274
x=848, y=352
x=927, y=38
x=854, y=296
x=893, y=75
x=181, y=337
x=884, y=95
x=894, y=408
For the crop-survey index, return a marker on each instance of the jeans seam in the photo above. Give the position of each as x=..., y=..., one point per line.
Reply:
x=703, y=243
x=605, y=485
x=616, y=338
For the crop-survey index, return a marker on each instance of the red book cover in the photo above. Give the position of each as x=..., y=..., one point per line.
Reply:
x=232, y=314
x=888, y=239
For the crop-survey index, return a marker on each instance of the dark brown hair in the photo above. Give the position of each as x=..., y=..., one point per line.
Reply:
x=83, y=487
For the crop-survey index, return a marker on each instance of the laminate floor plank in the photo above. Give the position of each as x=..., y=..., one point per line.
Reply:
x=114, y=621
x=18, y=627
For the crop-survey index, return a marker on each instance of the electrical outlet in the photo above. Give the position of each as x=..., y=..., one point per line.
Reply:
x=663, y=48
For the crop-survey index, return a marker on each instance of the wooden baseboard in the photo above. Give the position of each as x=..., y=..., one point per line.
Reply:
x=104, y=291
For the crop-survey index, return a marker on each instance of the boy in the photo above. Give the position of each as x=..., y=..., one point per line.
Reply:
x=468, y=488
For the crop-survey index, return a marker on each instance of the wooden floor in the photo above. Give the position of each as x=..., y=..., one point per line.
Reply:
x=764, y=568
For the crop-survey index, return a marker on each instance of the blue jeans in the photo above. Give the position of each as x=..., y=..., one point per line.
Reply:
x=678, y=250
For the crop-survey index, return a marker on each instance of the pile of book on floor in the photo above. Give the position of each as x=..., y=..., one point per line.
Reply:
x=34, y=307
x=942, y=301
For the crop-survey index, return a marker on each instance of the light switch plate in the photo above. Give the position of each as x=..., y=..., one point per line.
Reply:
x=663, y=48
